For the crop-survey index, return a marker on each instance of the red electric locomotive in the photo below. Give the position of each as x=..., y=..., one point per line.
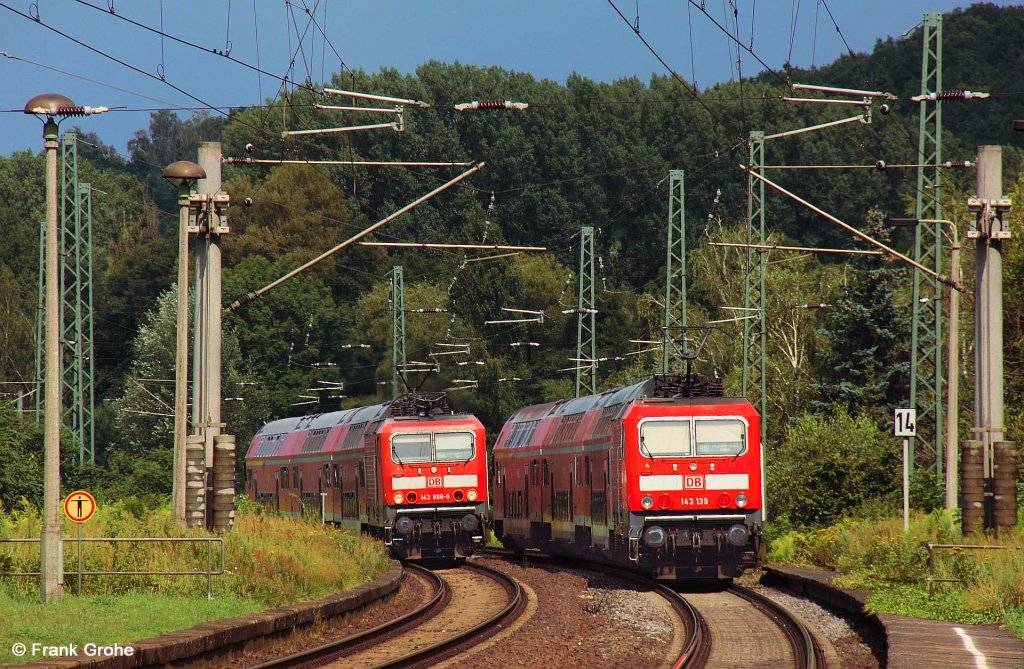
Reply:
x=409, y=471
x=664, y=475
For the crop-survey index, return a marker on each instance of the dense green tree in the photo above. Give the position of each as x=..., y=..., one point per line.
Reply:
x=867, y=366
x=21, y=462
x=832, y=466
x=169, y=139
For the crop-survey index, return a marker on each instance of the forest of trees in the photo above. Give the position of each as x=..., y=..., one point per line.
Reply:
x=583, y=153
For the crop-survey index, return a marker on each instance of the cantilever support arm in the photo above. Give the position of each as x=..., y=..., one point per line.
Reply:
x=245, y=299
x=870, y=240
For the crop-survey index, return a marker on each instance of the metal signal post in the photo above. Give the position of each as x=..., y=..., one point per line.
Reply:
x=926, y=329
x=675, y=272
x=586, y=347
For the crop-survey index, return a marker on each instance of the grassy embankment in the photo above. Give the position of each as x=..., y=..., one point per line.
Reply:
x=269, y=561
x=877, y=555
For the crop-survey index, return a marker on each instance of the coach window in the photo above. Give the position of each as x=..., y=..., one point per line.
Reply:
x=406, y=448
x=284, y=478
x=453, y=446
x=720, y=436
x=665, y=438
x=296, y=478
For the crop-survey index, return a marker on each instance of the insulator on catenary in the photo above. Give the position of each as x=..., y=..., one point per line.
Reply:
x=490, y=104
x=958, y=163
x=951, y=95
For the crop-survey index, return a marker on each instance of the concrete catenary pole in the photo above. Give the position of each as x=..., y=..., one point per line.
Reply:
x=51, y=543
x=988, y=329
x=181, y=360
x=953, y=376
x=182, y=174
x=206, y=415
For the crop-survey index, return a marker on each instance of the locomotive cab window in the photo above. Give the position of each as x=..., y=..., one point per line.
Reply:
x=407, y=448
x=453, y=446
x=427, y=447
x=665, y=438
x=720, y=436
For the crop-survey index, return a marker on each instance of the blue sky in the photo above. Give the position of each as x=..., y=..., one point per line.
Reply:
x=548, y=38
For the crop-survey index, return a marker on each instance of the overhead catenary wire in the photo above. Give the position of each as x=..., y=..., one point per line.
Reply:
x=255, y=294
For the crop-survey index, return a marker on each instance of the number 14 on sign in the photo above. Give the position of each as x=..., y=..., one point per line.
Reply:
x=905, y=423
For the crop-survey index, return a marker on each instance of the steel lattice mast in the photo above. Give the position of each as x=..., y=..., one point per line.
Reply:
x=926, y=330
x=75, y=290
x=754, y=332
x=675, y=268
x=397, y=328
x=586, y=347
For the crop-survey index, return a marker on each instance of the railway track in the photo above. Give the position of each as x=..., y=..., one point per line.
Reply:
x=750, y=630
x=734, y=627
x=696, y=633
x=465, y=607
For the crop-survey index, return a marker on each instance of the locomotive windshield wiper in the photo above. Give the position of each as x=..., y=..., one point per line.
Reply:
x=643, y=448
x=394, y=452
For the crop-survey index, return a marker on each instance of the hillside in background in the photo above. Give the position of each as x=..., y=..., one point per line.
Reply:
x=584, y=154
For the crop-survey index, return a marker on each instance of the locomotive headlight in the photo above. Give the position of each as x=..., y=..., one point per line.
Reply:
x=398, y=498
x=403, y=525
x=741, y=500
x=654, y=536
x=647, y=501
x=471, y=495
x=693, y=466
x=738, y=535
x=469, y=522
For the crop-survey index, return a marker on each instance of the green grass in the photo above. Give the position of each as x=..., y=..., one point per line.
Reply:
x=911, y=600
x=1015, y=621
x=878, y=555
x=105, y=619
x=268, y=561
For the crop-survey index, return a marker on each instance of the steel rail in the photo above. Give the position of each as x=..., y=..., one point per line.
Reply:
x=445, y=648
x=334, y=649
x=808, y=653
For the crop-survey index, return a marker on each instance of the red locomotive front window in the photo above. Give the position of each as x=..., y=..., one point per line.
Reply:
x=453, y=446
x=679, y=438
x=665, y=438
x=410, y=448
x=406, y=448
x=720, y=436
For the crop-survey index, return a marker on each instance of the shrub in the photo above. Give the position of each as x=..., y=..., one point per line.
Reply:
x=827, y=466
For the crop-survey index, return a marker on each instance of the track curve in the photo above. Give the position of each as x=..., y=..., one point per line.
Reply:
x=459, y=602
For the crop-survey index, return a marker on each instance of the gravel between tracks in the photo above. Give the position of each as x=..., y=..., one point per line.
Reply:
x=583, y=619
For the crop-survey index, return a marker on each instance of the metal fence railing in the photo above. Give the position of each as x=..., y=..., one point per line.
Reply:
x=934, y=549
x=209, y=572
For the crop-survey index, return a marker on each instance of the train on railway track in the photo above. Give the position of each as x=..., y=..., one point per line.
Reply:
x=411, y=472
x=664, y=476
